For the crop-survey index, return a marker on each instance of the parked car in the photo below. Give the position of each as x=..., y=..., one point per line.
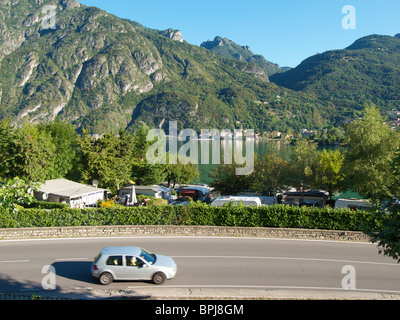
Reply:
x=196, y=193
x=236, y=200
x=298, y=198
x=311, y=203
x=352, y=204
x=132, y=263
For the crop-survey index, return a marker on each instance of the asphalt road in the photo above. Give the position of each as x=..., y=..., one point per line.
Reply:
x=227, y=266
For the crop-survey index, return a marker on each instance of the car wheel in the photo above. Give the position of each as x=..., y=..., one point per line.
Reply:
x=159, y=278
x=106, y=278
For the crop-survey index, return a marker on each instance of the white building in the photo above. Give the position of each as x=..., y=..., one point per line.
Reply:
x=77, y=195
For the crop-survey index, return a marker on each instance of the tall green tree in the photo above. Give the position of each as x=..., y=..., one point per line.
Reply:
x=65, y=140
x=387, y=237
x=180, y=173
x=5, y=144
x=106, y=160
x=12, y=194
x=270, y=173
x=329, y=171
x=140, y=143
x=144, y=173
x=372, y=147
x=227, y=182
x=303, y=165
x=27, y=153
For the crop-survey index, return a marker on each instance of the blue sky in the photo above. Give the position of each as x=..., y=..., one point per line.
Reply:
x=283, y=31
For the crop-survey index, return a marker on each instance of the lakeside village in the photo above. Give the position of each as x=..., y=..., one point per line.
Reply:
x=78, y=195
x=329, y=135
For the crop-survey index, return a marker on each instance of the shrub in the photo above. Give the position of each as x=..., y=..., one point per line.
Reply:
x=46, y=205
x=106, y=203
x=156, y=202
x=278, y=216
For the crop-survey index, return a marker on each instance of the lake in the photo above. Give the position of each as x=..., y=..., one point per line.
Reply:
x=258, y=147
x=212, y=153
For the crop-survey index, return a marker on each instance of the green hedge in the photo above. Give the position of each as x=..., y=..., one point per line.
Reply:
x=278, y=216
x=46, y=205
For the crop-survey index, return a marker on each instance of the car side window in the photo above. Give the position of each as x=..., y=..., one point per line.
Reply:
x=114, y=261
x=132, y=261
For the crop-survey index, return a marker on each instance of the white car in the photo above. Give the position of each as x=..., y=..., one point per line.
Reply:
x=132, y=263
x=237, y=200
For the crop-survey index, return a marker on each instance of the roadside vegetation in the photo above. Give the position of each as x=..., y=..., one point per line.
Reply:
x=368, y=164
x=277, y=216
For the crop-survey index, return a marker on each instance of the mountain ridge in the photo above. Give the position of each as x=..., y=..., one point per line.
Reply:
x=104, y=73
x=230, y=49
x=367, y=71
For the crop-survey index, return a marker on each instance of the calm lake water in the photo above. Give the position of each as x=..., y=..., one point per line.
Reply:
x=213, y=153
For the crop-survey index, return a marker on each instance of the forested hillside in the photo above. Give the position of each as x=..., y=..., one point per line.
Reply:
x=104, y=73
x=366, y=71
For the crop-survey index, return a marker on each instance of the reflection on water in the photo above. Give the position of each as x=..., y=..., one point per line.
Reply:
x=213, y=153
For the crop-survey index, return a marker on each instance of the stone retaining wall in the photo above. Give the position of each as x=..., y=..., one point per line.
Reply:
x=204, y=231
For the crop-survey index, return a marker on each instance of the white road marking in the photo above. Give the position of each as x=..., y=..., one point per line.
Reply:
x=286, y=258
x=13, y=261
x=71, y=259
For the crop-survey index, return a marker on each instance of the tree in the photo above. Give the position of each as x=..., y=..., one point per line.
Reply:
x=180, y=173
x=27, y=153
x=387, y=236
x=329, y=172
x=270, y=173
x=12, y=194
x=227, y=182
x=65, y=140
x=140, y=143
x=5, y=144
x=144, y=173
x=303, y=164
x=106, y=160
x=372, y=147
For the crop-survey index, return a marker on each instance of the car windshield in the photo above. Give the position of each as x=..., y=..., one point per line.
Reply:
x=149, y=257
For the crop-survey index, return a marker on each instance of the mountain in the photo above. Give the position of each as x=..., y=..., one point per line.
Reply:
x=368, y=71
x=229, y=49
x=105, y=73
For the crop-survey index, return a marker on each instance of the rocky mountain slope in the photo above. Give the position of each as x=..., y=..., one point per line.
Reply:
x=104, y=73
x=229, y=49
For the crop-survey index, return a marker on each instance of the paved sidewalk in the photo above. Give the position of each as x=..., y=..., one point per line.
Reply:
x=166, y=293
